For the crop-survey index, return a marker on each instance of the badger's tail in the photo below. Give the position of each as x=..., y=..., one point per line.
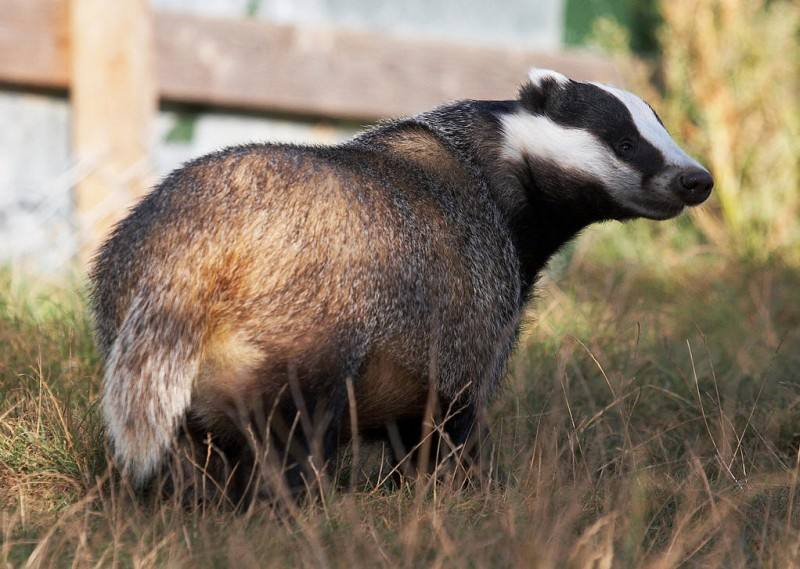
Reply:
x=149, y=374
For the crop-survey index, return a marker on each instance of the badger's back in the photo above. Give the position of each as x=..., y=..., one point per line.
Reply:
x=250, y=224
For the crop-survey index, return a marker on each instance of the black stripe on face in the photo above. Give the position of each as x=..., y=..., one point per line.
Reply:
x=588, y=107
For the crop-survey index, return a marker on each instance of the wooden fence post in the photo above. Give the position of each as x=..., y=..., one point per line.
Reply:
x=113, y=93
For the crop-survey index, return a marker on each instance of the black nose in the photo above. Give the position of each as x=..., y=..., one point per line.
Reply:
x=694, y=185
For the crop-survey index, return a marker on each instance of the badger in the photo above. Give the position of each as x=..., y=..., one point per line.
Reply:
x=302, y=292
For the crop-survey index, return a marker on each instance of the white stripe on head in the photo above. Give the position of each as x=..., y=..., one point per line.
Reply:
x=569, y=148
x=651, y=128
x=537, y=75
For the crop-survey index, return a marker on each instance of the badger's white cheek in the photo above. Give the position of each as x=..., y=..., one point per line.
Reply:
x=571, y=149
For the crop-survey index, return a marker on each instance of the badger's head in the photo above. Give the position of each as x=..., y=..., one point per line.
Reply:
x=589, y=138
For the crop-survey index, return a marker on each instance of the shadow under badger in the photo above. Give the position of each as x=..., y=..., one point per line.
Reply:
x=253, y=286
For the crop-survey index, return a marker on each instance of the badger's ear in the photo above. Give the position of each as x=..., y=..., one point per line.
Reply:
x=540, y=85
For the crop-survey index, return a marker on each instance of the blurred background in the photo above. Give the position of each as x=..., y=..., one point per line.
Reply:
x=99, y=100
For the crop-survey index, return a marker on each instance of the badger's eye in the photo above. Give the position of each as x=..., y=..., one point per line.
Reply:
x=626, y=147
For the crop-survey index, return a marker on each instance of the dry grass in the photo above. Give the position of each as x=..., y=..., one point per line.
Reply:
x=649, y=421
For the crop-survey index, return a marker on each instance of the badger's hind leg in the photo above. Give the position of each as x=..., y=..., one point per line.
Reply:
x=260, y=426
x=209, y=465
x=214, y=460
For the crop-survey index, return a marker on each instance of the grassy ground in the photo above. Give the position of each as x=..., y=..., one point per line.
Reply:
x=651, y=418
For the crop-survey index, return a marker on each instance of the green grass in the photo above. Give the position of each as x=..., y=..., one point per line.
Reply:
x=651, y=418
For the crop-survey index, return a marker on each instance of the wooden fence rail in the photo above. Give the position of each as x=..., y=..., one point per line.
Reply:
x=309, y=70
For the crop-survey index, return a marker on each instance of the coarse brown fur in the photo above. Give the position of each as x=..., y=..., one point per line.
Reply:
x=280, y=260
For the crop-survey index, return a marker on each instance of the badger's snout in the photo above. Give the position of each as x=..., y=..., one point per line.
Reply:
x=693, y=185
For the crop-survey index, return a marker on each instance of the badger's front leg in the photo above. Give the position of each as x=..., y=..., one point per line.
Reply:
x=453, y=442
x=450, y=435
x=473, y=368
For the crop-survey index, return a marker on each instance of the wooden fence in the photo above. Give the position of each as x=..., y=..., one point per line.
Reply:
x=118, y=59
